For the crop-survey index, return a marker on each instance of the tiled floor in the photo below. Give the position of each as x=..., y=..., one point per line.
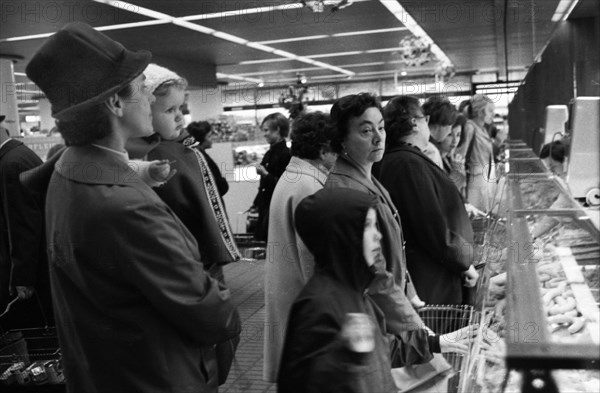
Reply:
x=246, y=282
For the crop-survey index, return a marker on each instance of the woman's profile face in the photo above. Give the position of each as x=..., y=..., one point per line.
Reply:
x=450, y=141
x=365, y=141
x=488, y=113
x=371, y=238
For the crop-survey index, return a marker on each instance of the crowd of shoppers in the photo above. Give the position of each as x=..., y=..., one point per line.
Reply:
x=364, y=227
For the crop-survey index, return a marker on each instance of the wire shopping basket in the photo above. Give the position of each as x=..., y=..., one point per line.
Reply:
x=444, y=319
x=30, y=357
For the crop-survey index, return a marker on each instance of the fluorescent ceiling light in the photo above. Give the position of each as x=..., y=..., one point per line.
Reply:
x=305, y=38
x=328, y=76
x=26, y=37
x=375, y=63
x=319, y=56
x=243, y=12
x=238, y=78
x=382, y=50
x=283, y=53
x=350, y=33
x=230, y=37
x=356, y=52
x=308, y=69
x=260, y=47
x=247, y=62
x=563, y=10
x=136, y=9
x=195, y=27
x=290, y=70
x=133, y=24
x=322, y=36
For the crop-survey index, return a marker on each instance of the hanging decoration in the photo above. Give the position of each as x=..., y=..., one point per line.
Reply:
x=319, y=5
x=294, y=98
x=414, y=51
x=443, y=72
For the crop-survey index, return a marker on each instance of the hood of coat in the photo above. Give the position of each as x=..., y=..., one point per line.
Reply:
x=331, y=223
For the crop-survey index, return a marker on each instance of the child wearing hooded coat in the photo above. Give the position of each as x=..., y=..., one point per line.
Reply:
x=336, y=339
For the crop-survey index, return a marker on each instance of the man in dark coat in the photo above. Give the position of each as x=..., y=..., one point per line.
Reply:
x=276, y=128
x=23, y=263
x=135, y=310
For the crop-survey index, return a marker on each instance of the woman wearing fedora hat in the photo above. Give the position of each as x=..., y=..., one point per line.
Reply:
x=135, y=310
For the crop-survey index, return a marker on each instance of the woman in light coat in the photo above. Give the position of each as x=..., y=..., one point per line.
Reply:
x=289, y=263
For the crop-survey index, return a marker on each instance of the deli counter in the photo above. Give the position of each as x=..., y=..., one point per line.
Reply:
x=539, y=288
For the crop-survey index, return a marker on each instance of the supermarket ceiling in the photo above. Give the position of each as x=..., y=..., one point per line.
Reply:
x=275, y=41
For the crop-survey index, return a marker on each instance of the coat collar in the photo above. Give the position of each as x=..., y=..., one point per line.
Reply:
x=92, y=165
x=282, y=144
x=305, y=168
x=345, y=167
x=8, y=146
x=412, y=150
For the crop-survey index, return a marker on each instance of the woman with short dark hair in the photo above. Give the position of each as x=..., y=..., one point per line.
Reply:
x=201, y=132
x=359, y=140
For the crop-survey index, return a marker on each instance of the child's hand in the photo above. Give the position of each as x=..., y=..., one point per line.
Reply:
x=160, y=170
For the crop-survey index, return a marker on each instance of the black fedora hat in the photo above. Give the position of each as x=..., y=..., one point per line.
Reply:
x=79, y=67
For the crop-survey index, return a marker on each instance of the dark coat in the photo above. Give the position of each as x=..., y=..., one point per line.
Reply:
x=186, y=195
x=315, y=357
x=23, y=259
x=135, y=310
x=389, y=291
x=439, y=237
x=222, y=184
x=275, y=161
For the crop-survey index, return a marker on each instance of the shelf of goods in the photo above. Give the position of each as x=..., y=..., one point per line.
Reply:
x=539, y=288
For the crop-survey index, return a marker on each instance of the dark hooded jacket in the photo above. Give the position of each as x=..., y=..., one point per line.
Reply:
x=315, y=358
x=189, y=198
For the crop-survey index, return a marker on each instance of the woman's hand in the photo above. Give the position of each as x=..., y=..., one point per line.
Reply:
x=417, y=302
x=261, y=170
x=25, y=292
x=459, y=340
x=473, y=211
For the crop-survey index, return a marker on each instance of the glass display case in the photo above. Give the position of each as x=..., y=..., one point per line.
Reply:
x=539, y=288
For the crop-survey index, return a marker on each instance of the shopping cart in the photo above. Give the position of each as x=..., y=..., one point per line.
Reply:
x=251, y=249
x=30, y=360
x=444, y=319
